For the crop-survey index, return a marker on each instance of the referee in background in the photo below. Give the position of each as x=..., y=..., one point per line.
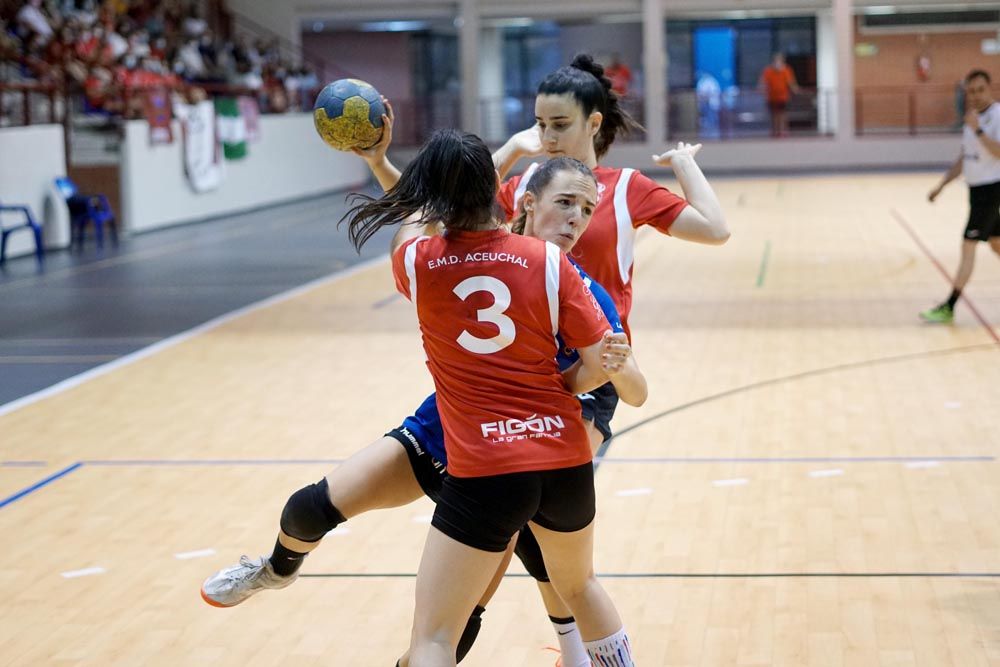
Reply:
x=979, y=163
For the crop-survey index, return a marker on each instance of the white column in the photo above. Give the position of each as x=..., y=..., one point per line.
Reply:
x=843, y=21
x=654, y=71
x=826, y=72
x=468, y=55
x=491, y=89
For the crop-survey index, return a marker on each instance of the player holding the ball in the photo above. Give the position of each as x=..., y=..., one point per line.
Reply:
x=578, y=116
x=349, y=114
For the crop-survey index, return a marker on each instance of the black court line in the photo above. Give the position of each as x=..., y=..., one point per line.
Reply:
x=602, y=451
x=696, y=575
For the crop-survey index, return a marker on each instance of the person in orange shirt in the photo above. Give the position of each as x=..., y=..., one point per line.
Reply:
x=620, y=75
x=777, y=82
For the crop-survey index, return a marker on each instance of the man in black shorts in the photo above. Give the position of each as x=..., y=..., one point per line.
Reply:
x=980, y=164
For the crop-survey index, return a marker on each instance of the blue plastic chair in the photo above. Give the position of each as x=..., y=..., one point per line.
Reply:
x=28, y=223
x=85, y=209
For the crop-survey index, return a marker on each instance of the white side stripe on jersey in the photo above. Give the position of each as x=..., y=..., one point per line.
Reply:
x=522, y=187
x=409, y=261
x=552, y=257
x=626, y=232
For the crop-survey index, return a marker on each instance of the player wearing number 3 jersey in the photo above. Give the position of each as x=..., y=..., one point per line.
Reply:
x=492, y=422
x=517, y=447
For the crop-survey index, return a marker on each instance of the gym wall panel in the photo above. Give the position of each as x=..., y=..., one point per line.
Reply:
x=288, y=162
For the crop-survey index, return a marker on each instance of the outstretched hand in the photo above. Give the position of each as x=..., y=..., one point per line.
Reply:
x=682, y=150
x=377, y=152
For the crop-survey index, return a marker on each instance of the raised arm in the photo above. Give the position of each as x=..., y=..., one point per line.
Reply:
x=526, y=143
x=703, y=220
x=384, y=171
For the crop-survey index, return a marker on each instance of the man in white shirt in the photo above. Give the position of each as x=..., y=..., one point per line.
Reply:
x=980, y=164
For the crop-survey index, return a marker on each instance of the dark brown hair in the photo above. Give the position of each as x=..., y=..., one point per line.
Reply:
x=585, y=80
x=452, y=180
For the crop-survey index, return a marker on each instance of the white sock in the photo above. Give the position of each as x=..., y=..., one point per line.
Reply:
x=574, y=653
x=613, y=651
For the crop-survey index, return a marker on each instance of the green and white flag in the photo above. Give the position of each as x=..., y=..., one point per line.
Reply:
x=232, y=128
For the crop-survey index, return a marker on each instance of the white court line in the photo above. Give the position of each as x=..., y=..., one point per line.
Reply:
x=922, y=464
x=625, y=493
x=953, y=405
x=833, y=472
x=176, y=339
x=739, y=481
x=201, y=553
x=85, y=572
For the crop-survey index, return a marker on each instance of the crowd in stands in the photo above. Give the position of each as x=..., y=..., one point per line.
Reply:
x=113, y=50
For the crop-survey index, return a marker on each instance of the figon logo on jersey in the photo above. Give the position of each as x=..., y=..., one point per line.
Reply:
x=534, y=426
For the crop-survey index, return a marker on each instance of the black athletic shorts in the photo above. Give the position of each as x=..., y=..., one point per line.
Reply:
x=486, y=512
x=430, y=472
x=777, y=105
x=984, y=212
x=599, y=406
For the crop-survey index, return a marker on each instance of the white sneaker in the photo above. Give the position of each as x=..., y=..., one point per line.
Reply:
x=232, y=585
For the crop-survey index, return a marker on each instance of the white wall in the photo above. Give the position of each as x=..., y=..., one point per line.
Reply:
x=31, y=158
x=290, y=161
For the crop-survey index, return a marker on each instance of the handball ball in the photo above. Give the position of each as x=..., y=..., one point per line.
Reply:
x=348, y=114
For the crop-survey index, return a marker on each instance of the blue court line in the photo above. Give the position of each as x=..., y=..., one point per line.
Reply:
x=23, y=464
x=34, y=487
x=210, y=462
x=801, y=459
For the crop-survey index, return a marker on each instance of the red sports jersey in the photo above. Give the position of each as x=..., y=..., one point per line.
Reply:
x=627, y=199
x=490, y=304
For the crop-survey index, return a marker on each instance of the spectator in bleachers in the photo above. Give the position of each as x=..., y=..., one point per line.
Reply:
x=31, y=21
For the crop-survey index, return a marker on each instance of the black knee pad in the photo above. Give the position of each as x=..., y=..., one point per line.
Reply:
x=530, y=553
x=309, y=514
x=470, y=633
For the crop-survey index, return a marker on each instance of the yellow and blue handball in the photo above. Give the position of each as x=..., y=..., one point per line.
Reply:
x=348, y=114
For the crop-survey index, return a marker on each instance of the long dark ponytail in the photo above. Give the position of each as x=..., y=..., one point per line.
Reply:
x=585, y=80
x=452, y=180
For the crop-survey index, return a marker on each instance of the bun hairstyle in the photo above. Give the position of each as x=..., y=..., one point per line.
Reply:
x=541, y=179
x=452, y=180
x=585, y=80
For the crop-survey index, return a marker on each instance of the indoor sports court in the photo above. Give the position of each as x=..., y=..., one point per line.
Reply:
x=811, y=480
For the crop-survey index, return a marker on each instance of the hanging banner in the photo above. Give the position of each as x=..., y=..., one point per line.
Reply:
x=232, y=128
x=202, y=162
x=250, y=111
x=158, y=115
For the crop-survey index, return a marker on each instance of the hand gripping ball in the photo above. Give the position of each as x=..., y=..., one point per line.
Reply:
x=348, y=114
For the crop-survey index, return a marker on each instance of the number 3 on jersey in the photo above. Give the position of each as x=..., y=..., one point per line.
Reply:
x=494, y=315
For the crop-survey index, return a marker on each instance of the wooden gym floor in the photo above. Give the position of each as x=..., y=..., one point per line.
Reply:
x=812, y=482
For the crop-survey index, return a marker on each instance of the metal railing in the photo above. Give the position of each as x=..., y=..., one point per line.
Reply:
x=737, y=114
x=913, y=110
